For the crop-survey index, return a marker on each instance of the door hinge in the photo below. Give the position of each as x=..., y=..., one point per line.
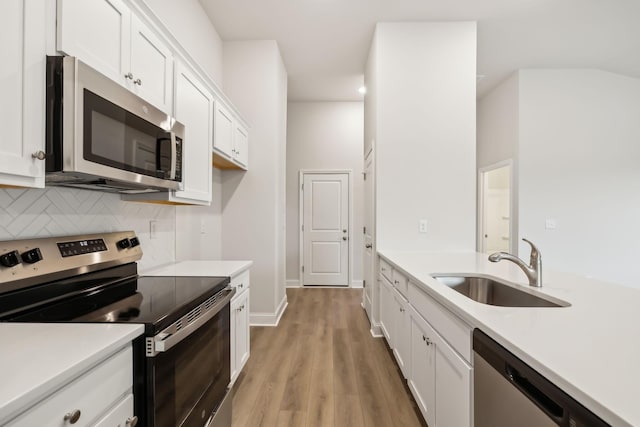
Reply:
x=364, y=230
x=302, y=187
x=303, y=268
x=302, y=227
x=364, y=283
x=364, y=174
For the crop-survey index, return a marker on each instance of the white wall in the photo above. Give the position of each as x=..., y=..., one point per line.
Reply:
x=580, y=165
x=253, y=205
x=190, y=25
x=426, y=100
x=323, y=136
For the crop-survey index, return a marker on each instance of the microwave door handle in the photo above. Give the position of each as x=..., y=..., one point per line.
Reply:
x=174, y=155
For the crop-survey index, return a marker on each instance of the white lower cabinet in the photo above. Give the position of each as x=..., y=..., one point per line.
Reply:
x=440, y=379
x=102, y=395
x=401, y=332
x=386, y=310
x=240, y=338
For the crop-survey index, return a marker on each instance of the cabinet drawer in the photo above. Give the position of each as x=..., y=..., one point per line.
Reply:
x=91, y=394
x=385, y=270
x=448, y=325
x=119, y=415
x=241, y=282
x=400, y=282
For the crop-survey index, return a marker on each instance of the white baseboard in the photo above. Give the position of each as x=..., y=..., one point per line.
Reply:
x=293, y=283
x=376, y=331
x=269, y=319
x=356, y=284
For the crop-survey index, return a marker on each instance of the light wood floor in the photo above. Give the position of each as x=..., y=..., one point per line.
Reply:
x=321, y=367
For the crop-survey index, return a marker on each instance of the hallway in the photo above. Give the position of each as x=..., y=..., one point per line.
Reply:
x=321, y=367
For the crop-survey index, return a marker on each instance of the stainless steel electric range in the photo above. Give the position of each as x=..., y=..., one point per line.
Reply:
x=181, y=363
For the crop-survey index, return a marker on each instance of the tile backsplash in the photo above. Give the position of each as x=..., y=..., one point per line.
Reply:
x=58, y=211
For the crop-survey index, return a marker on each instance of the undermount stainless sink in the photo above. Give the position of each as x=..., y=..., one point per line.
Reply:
x=492, y=291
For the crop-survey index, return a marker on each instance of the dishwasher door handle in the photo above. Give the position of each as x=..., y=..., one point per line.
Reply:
x=540, y=398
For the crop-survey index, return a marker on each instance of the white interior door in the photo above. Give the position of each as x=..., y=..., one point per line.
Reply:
x=495, y=214
x=325, y=229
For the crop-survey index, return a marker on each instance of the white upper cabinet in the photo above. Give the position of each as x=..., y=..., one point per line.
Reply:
x=106, y=35
x=231, y=143
x=22, y=85
x=151, y=66
x=194, y=109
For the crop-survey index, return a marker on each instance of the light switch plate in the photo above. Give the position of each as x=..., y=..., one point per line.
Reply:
x=423, y=226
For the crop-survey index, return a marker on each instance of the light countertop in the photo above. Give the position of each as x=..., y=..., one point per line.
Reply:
x=37, y=359
x=591, y=349
x=213, y=268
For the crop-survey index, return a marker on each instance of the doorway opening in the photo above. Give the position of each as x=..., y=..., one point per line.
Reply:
x=325, y=219
x=494, y=210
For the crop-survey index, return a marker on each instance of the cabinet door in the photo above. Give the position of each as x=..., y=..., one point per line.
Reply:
x=98, y=33
x=22, y=86
x=194, y=109
x=453, y=386
x=119, y=415
x=233, y=323
x=386, y=309
x=242, y=343
x=423, y=367
x=402, y=333
x=223, y=140
x=151, y=66
x=241, y=144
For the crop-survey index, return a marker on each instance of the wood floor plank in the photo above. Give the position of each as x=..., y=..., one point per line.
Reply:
x=321, y=367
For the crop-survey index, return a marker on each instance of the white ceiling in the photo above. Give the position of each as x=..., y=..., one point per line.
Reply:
x=324, y=43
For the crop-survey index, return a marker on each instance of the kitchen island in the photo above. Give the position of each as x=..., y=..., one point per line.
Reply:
x=589, y=349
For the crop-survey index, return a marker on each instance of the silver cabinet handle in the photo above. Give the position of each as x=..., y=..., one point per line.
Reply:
x=132, y=421
x=40, y=155
x=137, y=82
x=129, y=75
x=73, y=416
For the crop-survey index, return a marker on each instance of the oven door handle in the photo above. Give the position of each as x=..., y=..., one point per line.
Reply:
x=170, y=336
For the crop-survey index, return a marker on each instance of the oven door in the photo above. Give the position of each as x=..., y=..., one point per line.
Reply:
x=187, y=378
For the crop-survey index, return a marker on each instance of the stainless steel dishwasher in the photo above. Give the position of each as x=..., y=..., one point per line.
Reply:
x=508, y=392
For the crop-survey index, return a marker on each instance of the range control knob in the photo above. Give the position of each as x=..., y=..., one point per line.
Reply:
x=32, y=256
x=134, y=242
x=10, y=259
x=123, y=244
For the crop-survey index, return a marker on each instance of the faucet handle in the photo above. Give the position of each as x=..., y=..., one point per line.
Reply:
x=535, y=252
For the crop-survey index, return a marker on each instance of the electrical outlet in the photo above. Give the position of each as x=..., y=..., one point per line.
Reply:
x=202, y=228
x=423, y=226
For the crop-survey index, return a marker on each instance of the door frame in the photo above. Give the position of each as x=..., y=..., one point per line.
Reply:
x=513, y=245
x=301, y=175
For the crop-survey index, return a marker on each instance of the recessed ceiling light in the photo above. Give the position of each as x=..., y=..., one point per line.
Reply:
x=362, y=90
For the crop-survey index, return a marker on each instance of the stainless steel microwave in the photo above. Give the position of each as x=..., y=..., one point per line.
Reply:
x=101, y=136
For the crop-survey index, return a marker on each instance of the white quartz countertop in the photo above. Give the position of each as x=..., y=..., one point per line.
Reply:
x=38, y=359
x=591, y=349
x=213, y=268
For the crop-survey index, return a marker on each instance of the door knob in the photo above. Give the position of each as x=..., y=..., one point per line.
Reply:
x=368, y=246
x=40, y=155
x=344, y=230
x=344, y=237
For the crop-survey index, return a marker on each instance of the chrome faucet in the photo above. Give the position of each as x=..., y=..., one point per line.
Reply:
x=533, y=271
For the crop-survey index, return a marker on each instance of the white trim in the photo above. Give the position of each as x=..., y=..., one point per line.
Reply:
x=269, y=319
x=356, y=284
x=301, y=174
x=293, y=283
x=376, y=330
x=513, y=245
